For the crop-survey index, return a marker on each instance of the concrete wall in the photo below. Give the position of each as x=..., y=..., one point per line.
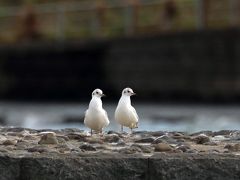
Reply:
x=192, y=66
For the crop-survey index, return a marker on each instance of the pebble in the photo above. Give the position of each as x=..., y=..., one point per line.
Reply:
x=222, y=132
x=157, y=133
x=164, y=139
x=201, y=139
x=61, y=140
x=233, y=148
x=39, y=149
x=219, y=138
x=163, y=147
x=144, y=148
x=121, y=143
x=48, y=138
x=183, y=148
x=9, y=142
x=94, y=140
x=87, y=147
x=111, y=138
x=76, y=136
x=145, y=140
x=21, y=145
x=207, y=133
x=130, y=150
x=235, y=135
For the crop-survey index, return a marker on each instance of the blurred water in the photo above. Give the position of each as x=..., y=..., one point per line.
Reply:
x=153, y=117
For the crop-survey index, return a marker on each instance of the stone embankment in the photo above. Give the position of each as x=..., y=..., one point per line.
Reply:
x=28, y=154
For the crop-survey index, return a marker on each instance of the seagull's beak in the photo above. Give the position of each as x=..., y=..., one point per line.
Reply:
x=103, y=95
x=132, y=94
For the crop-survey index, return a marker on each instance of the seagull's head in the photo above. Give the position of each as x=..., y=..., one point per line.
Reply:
x=97, y=93
x=128, y=92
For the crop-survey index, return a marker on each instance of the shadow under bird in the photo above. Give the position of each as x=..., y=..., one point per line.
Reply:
x=96, y=117
x=125, y=113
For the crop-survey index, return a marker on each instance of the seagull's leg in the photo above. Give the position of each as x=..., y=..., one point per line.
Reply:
x=121, y=128
x=91, y=132
x=131, y=130
x=101, y=132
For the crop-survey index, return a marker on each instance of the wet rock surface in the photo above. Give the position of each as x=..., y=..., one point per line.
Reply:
x=74, y=154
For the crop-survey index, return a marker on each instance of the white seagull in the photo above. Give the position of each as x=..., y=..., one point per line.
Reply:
x=96, y=117
x=125, y=113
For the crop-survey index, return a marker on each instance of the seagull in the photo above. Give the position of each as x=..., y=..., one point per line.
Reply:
x=96, y=117
x=125, y=113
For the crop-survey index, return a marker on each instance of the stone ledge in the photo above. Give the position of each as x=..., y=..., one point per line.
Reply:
x=27, y=154
x=160, y=166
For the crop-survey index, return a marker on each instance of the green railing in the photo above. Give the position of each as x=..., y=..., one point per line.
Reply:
x=55, y=21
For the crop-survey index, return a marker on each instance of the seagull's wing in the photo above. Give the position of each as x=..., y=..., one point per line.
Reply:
x=135, y=113
x=106, y=117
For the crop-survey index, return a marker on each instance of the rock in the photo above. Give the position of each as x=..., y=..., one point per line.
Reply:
x=207, y=133
x=119, y=134
x=235, y=135
x=76, y=136
x=162, y=147
x=222, y=133
x=219, y=138
x=180, y=140
x=30, y=137
x=145, y=140
x=62, y=148
x=39, y=149
x=94, y=140
x=233, y=148
x=213, y=151
x=21, y=145
x=192, y=151
x=3, y=150
x=11, y=148
x=9, y=142
x=144, y=148
x=61, y=140
x=111, y=138
x=164, y=139
x=130, y=150
x=48, y=138
x=141, y=134
x=102, y=147
x=87, y=147
x=211, y=143
x=71, y=130
x=121, y=143
x=65, y=138
x=183, y=148
x=158, y=140
x=201, y=139
x=157, y=133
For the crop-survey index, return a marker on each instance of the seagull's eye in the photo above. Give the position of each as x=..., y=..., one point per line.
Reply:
x=128, y=91
x=97, y=92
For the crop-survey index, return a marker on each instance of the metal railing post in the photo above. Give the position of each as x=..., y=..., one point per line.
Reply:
x=200, y=24
x=60, y=27
x=128, y=20
x=234, y=7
